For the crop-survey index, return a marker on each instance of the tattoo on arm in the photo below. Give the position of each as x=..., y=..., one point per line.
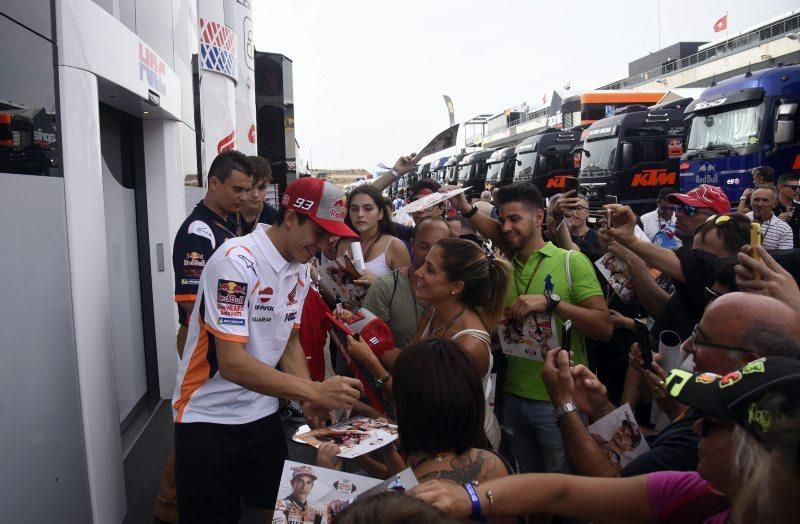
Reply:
x=463, y=469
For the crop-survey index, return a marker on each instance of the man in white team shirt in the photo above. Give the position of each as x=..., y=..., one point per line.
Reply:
x=775, y=233
x=229, y=443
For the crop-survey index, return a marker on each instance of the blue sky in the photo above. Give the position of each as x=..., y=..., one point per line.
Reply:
x=369, y=76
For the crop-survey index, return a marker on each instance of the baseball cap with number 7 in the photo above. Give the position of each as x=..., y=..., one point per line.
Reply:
x=322, y=202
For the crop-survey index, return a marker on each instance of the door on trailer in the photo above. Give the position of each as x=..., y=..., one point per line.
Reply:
x=119, y=196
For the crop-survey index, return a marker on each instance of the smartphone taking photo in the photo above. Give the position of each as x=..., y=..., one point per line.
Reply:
x=566, y=334
x=643, y=339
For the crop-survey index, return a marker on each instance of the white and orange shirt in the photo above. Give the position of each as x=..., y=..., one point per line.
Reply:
x=247, y=293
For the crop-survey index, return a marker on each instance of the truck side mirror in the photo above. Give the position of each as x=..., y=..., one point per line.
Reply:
x=627, y=155
x=784, y=124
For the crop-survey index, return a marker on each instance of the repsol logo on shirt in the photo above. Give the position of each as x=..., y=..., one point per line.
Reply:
x=260, y=307
x=654, y=177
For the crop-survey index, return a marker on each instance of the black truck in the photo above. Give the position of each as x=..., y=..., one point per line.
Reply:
x=546, y=159
x=472, y=172
x=633, y=154
x=501, y=167
x=451, y=168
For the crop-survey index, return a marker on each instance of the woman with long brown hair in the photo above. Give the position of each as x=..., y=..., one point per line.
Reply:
x=464, y=287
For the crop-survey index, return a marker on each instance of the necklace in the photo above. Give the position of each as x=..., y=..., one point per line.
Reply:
x=369, y=249
x=449, y=323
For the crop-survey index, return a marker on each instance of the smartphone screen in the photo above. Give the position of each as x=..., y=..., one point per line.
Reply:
x=643, y=339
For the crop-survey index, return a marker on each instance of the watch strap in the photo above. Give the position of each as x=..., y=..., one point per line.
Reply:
x=563, y=410
x=471, y=212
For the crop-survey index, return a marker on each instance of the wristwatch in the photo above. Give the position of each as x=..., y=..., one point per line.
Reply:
x=471, y=212
x=569, y=407
x=553, y=300
x=380, y=382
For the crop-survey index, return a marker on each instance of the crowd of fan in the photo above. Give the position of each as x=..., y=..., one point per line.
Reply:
x=503, y=437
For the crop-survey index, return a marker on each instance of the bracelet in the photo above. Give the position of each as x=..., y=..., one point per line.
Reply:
x=471, y=212
x=394, y=173
x=490, y=498
x=474, y=499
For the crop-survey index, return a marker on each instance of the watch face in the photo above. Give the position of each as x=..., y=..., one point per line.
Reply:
x=555, y=297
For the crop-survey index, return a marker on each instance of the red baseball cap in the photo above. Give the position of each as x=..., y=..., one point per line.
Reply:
x=703, y=195
x=374, y=331
x=322, y=202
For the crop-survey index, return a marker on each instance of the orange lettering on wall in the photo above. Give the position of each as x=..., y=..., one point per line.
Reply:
x=654, y=177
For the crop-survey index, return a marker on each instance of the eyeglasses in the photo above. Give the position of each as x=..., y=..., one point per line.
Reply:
x=666, y=209
x=687, y=210
x=580, y=208
x=696, y=341
x=710, y=295
x=793, y=187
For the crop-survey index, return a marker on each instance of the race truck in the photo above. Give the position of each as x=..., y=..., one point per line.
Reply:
x=437, y=169
x=451, y=169
x=633, y=154
x=546, y=159
x=472, y=172
x=743, y=122
x=501, y=167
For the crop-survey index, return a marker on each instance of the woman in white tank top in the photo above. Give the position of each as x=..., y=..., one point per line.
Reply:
x=382, y=251
x=465, y=289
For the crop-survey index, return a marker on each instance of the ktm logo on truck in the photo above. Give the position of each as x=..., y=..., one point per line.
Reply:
x=654, y=177
x=557, y=182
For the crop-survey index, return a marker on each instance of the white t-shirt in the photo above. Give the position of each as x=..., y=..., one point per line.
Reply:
x=652, y=223
x=775, y=233
x=248, y=293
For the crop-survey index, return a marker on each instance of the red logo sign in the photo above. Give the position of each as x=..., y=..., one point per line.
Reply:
x=338, y=209
x=251, y=135
x=557, y=182
x=654, y=177
x=227, y=142
x=265, y=295
x=293, y=295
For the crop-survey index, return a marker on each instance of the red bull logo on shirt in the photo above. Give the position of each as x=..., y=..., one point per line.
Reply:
x=231, y=292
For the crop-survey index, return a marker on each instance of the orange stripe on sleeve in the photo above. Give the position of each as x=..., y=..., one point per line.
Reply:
x=226, y=336
x=234, y=247
x=196, y=373
x=185, y=298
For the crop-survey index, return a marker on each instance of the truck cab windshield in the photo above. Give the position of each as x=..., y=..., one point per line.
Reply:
x=598, y=155
x=731, y=127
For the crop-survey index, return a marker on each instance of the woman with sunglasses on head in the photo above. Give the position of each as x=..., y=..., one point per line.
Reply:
x=464, y=286
x=731, y=452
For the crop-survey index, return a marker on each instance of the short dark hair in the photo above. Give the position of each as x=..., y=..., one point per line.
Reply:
x=765, y=172
x=423, y=183
x=261, y=169
x=636, y=435
x=665, y=192
x=735, y=233
x=228, y=161
x=520, y=192
x=392, y=507
x=725, y=274
x=786, y=178
x=280, y=216
x=438, y=398
x=384, y=224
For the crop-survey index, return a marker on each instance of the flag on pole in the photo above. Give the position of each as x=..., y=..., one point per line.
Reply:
x=721, y=24
x=450, y=112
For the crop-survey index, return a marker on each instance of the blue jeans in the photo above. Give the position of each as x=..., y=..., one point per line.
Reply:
x=533, y=436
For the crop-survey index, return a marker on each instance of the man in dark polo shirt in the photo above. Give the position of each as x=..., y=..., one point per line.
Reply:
x=214, y=220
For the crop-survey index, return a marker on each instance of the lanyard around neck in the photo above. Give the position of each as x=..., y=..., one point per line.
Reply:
x=530, y=280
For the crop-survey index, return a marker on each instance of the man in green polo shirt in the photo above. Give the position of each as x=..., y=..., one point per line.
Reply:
x=540, y=285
